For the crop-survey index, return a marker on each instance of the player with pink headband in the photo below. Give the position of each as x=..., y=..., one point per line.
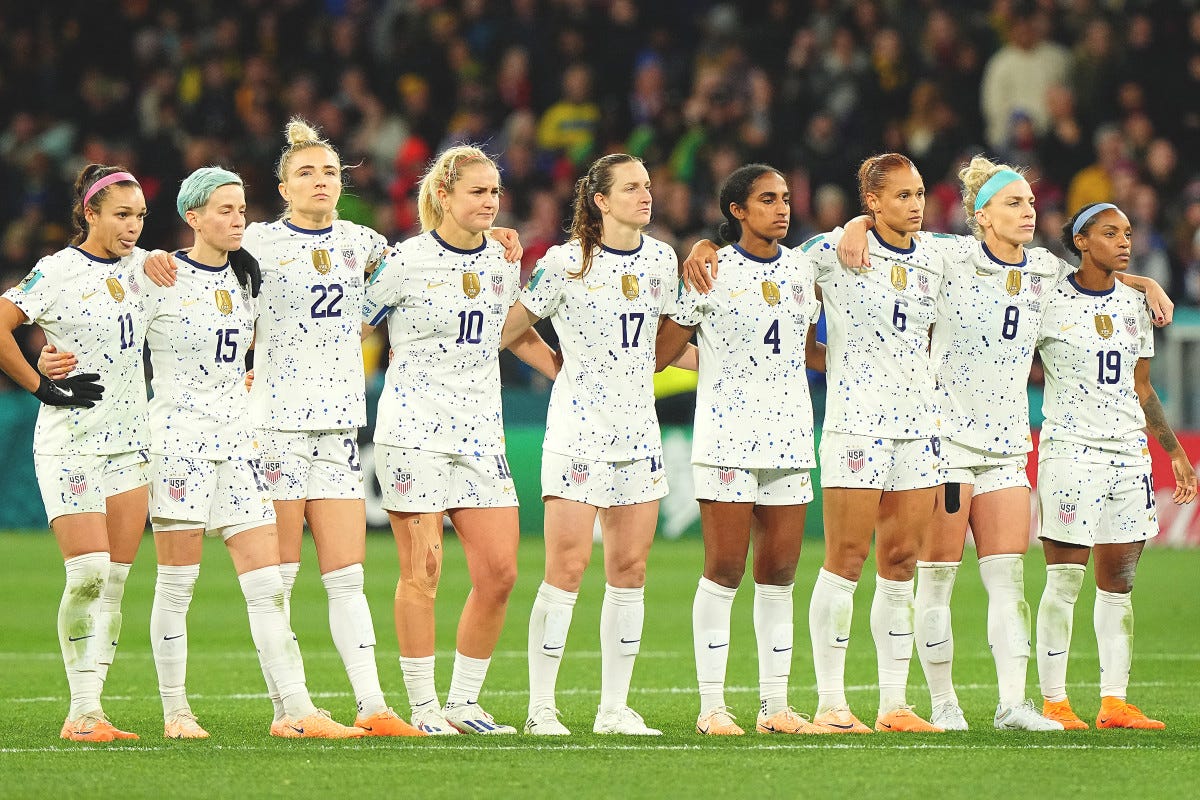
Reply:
x=91, y=437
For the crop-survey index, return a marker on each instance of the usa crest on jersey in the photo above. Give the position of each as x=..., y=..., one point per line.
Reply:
x=655, y=287
x=348, y=257
x=798, y=293
x=1130, y=325
x=177, y=488
x=1066, y=513
x=579, y=472
x=498, y=284
x=1035, y=285
x=403, y=481
x=78, y=482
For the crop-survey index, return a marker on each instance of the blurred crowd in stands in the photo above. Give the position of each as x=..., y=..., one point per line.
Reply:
x=1096, y=99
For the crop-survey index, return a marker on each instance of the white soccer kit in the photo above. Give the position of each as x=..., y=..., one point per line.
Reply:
x=1094, y=482
x=91, y=307
x=602, y=403
x=205, y=454
x=445, y=309
x=753, y=409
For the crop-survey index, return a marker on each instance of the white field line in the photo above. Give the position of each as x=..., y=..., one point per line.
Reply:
x=569, y=692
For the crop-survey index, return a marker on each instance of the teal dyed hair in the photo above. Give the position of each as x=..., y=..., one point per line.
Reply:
x=199, y=186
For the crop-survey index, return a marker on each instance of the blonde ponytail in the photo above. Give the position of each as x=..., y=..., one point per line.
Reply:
x=443, y=174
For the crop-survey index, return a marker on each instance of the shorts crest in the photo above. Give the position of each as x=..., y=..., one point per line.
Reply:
x=78, y=483
x=855, y=459
x=402, y=481
x=1066, y=513
x=726, y=475
x=579, y=472
x=177, y=488
x=272, y=471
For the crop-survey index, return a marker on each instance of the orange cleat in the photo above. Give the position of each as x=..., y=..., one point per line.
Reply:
x=1116, y=713
x=318, y=725
x=840, y=720
x=903, y=720
x=94, y=727
x=1060, y=711
x=386, y=723
x=788, y=721
x=184, y=725
x=718, y=722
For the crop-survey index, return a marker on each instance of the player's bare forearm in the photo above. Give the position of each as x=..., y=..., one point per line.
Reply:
x=1156, y=423
x=1162, y=309
x=531, y=348
x=689, y=358
x=814, y=351
x=12, y=360
x=519, y=320
x=671, y=343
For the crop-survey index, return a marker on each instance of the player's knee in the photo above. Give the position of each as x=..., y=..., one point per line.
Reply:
x=566, y=570
x=626, y=571
x=776, y=574
x=498, y=584
x=846, y=561
x=897, y=558
x=726, y=572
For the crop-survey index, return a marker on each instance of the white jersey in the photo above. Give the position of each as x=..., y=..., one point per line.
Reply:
x=198, y=333
x=989, y=316
x=1090, y=343
x=445, y=308
x=602, y=403
x=91, y=307
x=879, y=374
x=308, y=366
x=753, y=409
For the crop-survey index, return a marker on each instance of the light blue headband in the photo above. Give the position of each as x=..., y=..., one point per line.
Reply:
x=994, y=184
x=1083, y=218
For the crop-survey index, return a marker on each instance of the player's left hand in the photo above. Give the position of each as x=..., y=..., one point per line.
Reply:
x=1185, y=479
x=245, y=267
x=55, y=365
x=1162, y=310
x=699, y=271
x=160, y=268
x=511, y=241
x=249, y=379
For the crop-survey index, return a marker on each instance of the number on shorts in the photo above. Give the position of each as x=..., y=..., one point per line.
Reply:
x=1012, y=315
x=1149, y=491
x=256, y=471
x=330, y=295
x=352, y=460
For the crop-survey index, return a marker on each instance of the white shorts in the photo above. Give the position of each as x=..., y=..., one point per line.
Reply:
x=81, y=484
x=763, y=486
x=421, y=481
x=312, y=465
x=987, y=472
x=851, y=461
x=1089, y=504
x=603, y=483
x=222, y=497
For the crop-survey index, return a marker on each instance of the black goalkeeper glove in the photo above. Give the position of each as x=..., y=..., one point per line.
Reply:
x=77, y=390
x=245, y=267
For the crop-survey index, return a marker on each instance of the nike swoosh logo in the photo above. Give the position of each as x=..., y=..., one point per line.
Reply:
x=297, y=730
x=176, y=636
x=1065, y=327
x=884, y=724
x=595, y=288
x=780, y=650
x=840, y=639
x=433, y=285
x=838, y=725
x=983, y=273
x=935, y=644
x=1053, y=653
x=712, y=646
x=187, y=303
x=629, y=641
x=737, y=292
x=654, y=481
x=1104, y=721
x=114, y=644
x=548, y=647
x=286, y=261
x=365, y=646
x=418, y=705
x=79, y=638
x=893, y=633
x=89, y=295
x=65, y=392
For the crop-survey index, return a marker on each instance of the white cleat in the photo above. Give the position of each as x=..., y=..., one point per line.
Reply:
x=623, y=720
x=1024, y=717
x=470, y=718
x=949, y=717
x=544, y=721
x=428, y=718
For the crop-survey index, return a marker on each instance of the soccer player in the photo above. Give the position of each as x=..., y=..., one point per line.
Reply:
x=753, y=443
x=1095, y=490
x=604, y=291
x=439, y=434
x=989, y=312
x=880, y=450
x=90, y=441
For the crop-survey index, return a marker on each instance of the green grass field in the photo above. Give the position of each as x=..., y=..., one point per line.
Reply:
x=227, y=693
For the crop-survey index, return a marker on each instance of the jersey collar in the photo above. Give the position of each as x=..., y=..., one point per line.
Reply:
x=1089, y=292
x=616, y=252
x=182, y=256
x=991, y=256
x=309, y=231
x=458, y=250
x=887, y=246
x=771, y=260
x=91, y=257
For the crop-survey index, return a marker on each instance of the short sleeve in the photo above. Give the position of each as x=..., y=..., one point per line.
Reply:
x=822, y=251
x=1064, y=269
x=670, y=274
x=385, y=290
x=376, y=246
x=691, y=307
x=1145, y=332
x=35, y=294
x=544, y=293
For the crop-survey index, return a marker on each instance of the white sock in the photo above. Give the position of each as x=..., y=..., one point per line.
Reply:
x=1007, y=623
x=467, y=680
x=935, y=637
x=288, y=573
x=108, y=624
x=354, y=635
x=168, y=633
x=773, y=632
x=418, y=680
x=77, y=615
x=1113, y=618
x=621, y=618
x=277, y=647
x=549, y=622
x=892, y=628
x=1056, y=615
x=829, y=615
x=710, y=640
